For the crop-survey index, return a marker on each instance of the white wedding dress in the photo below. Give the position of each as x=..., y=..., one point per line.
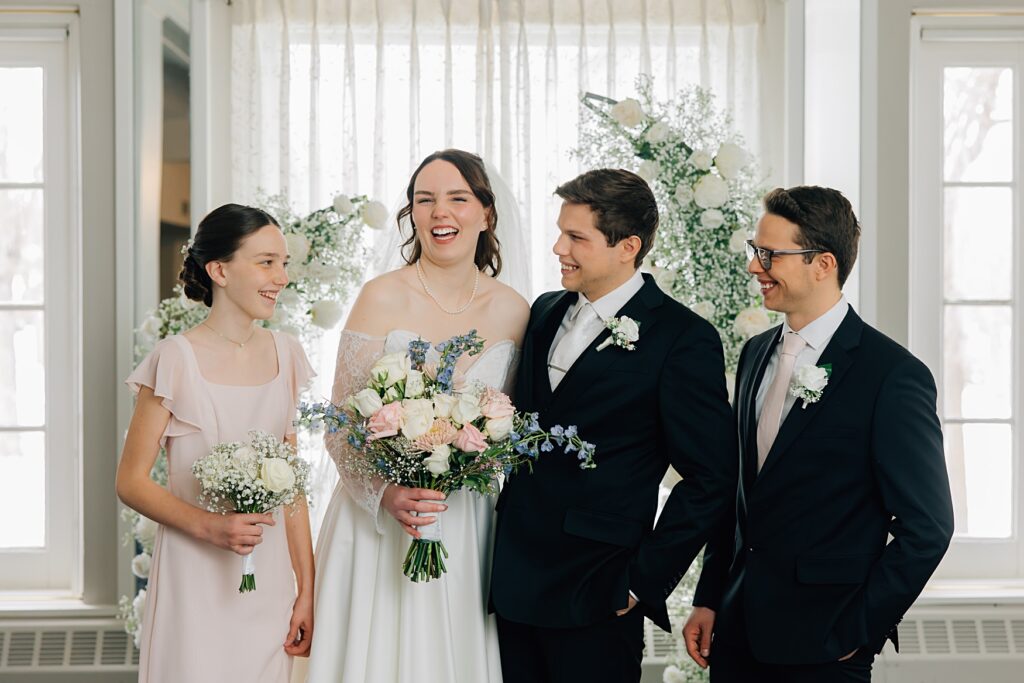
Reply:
x=372, y=624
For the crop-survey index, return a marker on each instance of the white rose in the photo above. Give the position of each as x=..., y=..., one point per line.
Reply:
x=139, y=606
x=684, y=194
x=375, y=215
x=246, y=460
x=367, y=402
x=710, y=192
x=391, y=368
x=754, y=287
x=141, y=564
x=704, y=309
x=498, y=428
x=649, y=170
x=342, y=205
x=672, y=674
x=277, y=474
x=658, y=132
x=627, y=113
x=419, y=417
x=700, y=159
x=414, y=384
x=738, y=241
x=145, y=531
x=629, y=329
x=466, y=408
x=287, y=298
x=730, y=160
x=437, y=461
x=751, y=321
x=711, y=219
x=443, y=404
x=810, y=377
x=298, y=246
x=325, y=313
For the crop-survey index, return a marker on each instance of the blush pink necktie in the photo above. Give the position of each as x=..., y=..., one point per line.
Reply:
x=775, y=399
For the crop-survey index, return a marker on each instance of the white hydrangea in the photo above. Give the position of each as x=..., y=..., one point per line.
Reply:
x=627, y=113
x=711, y=219
x=710, y=192
x=751, y=321
x=731, y=159
x=649, y=170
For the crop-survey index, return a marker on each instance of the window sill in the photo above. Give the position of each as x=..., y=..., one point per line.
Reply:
x=23, y=605
x=973, y=592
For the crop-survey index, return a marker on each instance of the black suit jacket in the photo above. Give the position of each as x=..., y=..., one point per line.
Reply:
x=570, y=544
x=807, y=559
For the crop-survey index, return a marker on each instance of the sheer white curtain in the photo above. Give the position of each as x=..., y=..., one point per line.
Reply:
x=349, y=95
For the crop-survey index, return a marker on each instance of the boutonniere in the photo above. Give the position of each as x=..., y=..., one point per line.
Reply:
x=625, y=331
x=809, y=382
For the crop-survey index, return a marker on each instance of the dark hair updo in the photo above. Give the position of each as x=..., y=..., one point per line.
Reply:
x=219, y=235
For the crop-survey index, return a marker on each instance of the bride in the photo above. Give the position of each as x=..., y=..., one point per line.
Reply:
x=374, y=624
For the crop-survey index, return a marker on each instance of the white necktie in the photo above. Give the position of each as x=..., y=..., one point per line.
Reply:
x=571, y=345
x=775, y=399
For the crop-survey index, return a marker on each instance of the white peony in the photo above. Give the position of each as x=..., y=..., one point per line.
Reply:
x=710, y=192
x=627, y=113
x=649, y=170
x=375, y=215
x=443, y=404
x=711, y=219
x=246, y=460
x=342, y=205
x=466, y=408
x=751, y=321
x=738, y=241
x=391, y=368
x=414, y=384
x=810, y=377
x=277, y=474
x=141, y=565
x=325, y=313
x=731, y=159
x=419, y=417
x=658, y=132
x=498, y=428
x=704, y=309
x=437, y=461
x=700, y=159
x=684, y=194
x=298, y=247
x=367, y=402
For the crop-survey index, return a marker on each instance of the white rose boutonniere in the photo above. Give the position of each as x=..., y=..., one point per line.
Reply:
x=809, y=382
x=625, y=331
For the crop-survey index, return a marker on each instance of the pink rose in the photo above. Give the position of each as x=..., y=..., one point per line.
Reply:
x=495, y=405
x=441, y=432
x=470, y=439
x=386, y=421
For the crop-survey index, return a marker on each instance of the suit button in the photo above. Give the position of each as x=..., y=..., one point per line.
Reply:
x=750, y=549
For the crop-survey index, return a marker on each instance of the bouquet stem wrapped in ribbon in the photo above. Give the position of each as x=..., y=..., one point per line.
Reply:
x=413, y=426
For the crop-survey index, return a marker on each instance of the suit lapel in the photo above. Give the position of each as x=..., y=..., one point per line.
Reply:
x=748, y=406
x=641, y=308
x=838, y=354
x=539, y=343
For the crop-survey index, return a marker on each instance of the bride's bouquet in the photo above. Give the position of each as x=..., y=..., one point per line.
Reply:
x=256, y=476
x=420, y=425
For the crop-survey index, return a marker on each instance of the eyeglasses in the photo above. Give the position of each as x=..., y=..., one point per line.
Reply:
x=765, y=256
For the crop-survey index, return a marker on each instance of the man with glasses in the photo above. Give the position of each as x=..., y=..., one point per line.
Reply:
x=840, y=447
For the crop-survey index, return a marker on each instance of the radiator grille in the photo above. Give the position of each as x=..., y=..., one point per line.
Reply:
x=66, y=645
x=962, y=636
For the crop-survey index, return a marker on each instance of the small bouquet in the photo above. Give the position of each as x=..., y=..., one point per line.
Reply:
x=253, y=477
x=416, y=425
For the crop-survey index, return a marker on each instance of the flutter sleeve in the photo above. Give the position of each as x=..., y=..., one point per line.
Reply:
x=299, y=375
x=170, y=375
x=356, y=355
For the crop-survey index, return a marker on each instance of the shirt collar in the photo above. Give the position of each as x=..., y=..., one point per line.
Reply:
x=610, y=304
x=819, y=331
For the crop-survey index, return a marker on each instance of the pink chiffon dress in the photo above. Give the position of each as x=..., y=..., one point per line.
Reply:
x=197, y=627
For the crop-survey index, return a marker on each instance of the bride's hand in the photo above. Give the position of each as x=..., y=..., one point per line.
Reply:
x=402, y=501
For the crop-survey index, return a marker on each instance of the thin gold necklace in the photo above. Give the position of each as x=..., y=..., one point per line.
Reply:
x=240, y=345
x=423, y=281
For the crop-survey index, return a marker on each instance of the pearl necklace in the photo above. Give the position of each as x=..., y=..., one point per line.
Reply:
x=423, y=281
x=240, y=345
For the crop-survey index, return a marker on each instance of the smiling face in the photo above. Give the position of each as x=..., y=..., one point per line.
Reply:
x=588, y=264
x=792, y=283
x=448, y=216
x=255, y=275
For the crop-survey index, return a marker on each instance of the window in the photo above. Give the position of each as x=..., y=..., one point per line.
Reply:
x=39, y=431
x=967, y=277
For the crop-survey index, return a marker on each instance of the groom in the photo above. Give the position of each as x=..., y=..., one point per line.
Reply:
x=843, y=507
x=578, y=560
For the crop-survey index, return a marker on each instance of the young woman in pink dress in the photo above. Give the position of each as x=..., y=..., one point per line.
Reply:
x=212, y=384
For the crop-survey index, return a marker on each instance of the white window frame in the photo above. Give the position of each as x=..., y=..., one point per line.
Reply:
x=938, y=43
x=51, y=41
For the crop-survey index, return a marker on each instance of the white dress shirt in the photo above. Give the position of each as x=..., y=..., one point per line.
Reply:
x=818, y=333
x=606, y=307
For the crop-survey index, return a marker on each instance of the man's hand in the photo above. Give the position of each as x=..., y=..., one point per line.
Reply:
x=629, y=605
x=843, y=659
x=697, y=635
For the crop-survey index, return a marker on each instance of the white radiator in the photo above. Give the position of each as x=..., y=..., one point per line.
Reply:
x=65, y=645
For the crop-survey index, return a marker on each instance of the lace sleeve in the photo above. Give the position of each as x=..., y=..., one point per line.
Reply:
x=356, y=355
